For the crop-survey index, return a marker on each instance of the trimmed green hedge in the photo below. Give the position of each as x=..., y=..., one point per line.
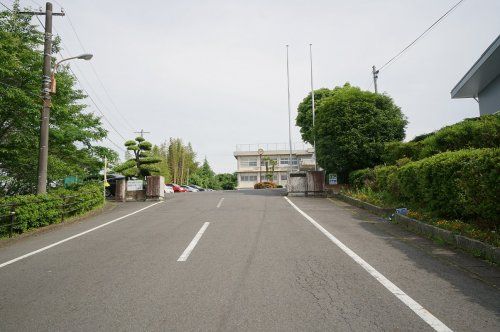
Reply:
x=32, y=211
x=462, y=184
x=481, y=132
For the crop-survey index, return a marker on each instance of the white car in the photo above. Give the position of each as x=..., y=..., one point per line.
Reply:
x=169, y=189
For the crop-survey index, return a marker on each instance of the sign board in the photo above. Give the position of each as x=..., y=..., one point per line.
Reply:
x=332, y=179
x=135, y=185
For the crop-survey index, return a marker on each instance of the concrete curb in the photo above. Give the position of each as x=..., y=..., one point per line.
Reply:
x=383, y=212
x=473, y=246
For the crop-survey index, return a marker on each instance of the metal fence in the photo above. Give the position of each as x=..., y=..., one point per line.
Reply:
x=69, y=206
x=272, y=147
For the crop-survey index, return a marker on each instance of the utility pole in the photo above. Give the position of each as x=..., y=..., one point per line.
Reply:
x=313, y=108
x=375, y=77
x=142, y=132
x=105, y=182
x=46, y=82
x=289, y=112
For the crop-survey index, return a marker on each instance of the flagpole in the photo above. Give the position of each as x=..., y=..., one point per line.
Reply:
x=289, y=113
x=313, y=108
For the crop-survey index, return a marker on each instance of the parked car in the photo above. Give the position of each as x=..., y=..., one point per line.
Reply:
x=111, y=189
x=197, y=187
x=169, y=189
x=177, y=188
x=190, y=189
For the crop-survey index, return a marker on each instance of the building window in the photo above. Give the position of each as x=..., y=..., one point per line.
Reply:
x=250, y=162
x=285, y=160
x=284, y=177
x=248, y=178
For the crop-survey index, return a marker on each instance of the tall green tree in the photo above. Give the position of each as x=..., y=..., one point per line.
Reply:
x=181, y=161
x=351, y=128
x=161, y=152
x=304, y=117
x=227, y=181
x=73, y=132
x=143, y=163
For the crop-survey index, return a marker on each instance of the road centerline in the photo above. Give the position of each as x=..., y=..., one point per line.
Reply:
x=184, y=256
x=74, y=236
x=423, y=313
x=220, y=202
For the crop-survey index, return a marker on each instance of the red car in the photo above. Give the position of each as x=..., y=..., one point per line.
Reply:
x=177, y=188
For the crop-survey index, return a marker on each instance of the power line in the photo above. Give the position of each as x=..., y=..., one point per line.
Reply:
x=96, y=106
x=421, y=35
x=88, y=94
x=10, y=10
x=126, y=122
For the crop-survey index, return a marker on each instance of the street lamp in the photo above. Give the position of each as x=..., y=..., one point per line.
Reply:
x=261, y=152
x=85, y=56
x=49, y=86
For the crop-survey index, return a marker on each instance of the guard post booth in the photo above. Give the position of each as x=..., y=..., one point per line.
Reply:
x=306, y=181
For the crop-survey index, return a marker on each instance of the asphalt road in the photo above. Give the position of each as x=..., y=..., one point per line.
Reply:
x=241, y=261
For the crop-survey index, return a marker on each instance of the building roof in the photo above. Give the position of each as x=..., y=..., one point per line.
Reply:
x=485, y=70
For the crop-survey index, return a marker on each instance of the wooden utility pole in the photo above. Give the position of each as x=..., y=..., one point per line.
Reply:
x=46, y=81
x=375, y=78
x=142, y=132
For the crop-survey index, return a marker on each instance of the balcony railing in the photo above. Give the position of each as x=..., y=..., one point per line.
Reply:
x=272, y=147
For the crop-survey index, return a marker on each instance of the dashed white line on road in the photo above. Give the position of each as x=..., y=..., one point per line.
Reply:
x=423, y=313
x=220, y=202
x=73, y=237
x=190, y=247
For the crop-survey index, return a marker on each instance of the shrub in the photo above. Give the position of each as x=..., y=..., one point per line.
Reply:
x=265, y=185
x=461, y=184
x=34, y=211
x=361, y=178
x=481, y=132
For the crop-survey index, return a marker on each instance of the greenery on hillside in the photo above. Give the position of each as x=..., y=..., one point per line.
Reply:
x=459, y=188
x=351, y=128
x=73, y=132
x=480, y=132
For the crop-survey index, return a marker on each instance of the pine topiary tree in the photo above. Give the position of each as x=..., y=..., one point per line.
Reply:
x=142, y=163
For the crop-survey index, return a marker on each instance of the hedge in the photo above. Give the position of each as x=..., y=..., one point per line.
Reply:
x=32, y=211
x=265, y=185
x=462, y=184
x=481, y=132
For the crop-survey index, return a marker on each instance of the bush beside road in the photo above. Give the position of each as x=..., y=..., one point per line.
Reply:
x=33, y=211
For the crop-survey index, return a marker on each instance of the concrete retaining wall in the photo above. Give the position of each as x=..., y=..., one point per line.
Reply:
x=476, y=247
x=383, y=212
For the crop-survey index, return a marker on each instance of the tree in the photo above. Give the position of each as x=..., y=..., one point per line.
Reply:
x=161, y=152
x=227, y=181
x=73, y=132
x=352, y=127
x=143, y=163
x=304, y=116
x=181, y=161
x=205, y=177
x=270, y=165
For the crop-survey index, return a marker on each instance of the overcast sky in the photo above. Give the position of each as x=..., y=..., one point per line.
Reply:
x=214, y=72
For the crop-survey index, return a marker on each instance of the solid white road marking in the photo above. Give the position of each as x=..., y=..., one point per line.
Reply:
x=190, y=247
x=423, y=313
x=220, y=202
x=74, y=236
